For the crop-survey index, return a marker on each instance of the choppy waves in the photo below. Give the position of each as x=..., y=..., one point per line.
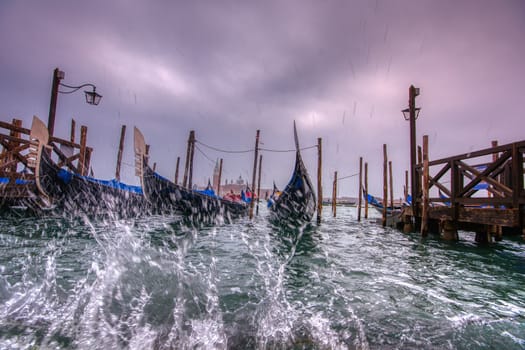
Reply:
x=154, y=283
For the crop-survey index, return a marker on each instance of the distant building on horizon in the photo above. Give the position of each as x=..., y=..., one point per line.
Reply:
x=233, y=186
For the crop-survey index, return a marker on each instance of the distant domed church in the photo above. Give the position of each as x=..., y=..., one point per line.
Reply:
x=231, y=186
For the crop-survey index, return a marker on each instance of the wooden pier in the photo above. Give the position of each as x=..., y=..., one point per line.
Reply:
x=17, y=168
x=481, y=191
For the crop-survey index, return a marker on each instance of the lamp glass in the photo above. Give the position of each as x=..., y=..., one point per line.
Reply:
x=92, y=97
x=406, y=113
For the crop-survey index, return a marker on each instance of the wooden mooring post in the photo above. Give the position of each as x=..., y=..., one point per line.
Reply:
x=192, y=154
x=319, y=180
x=82, y=168
x=73, y=126
x=385, y=185
x=258, y=185
x=187, y=163
x=359, y=192
x=219, y=179
x=406, y=187
x=391, y=184
x=254, y=170
x=334, y=195
x=176, y=180
x=366, y=190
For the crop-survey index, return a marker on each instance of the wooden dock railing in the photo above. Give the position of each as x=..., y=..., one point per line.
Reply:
x=481, y=187
x=16, y=169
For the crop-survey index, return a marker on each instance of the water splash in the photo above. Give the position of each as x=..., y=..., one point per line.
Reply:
x=155, y=283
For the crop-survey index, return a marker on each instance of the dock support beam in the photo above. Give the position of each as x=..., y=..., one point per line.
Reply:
x=449, y=230
x=424, y=217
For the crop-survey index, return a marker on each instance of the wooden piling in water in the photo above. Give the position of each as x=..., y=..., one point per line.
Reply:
x=73, y=126
x=360, y=189
x=254, y=170
x=177, y=171
x=496, y=230
x=120, y=151
x=192, y=154
x=391, y=184
x=187, y=162
x=424, y=214
x=334, y=195
x=219, y=179
x=82, y=159
x=319, y=182
x=366, y=190
x=258, y=185
x=406, y=186
x=385, y=185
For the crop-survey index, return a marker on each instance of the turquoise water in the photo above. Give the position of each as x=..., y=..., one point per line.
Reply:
x=152, y=283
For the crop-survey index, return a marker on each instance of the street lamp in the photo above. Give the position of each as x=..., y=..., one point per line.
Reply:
x=92, y=97
x=406, y=113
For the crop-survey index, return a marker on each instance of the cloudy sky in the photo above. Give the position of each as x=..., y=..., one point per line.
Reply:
x=341, y=69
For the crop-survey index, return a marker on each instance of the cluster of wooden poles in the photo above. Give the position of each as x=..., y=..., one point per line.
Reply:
x=363, y=188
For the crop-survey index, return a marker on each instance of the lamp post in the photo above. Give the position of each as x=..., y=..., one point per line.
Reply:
x=411, y=113
x=92, y=97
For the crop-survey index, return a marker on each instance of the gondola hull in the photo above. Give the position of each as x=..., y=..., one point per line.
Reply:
x=70, y=194
x=295, y=206
x=167, y=197
x=57, y=192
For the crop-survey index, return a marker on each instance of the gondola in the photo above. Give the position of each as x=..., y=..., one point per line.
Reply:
x=71, y=195
x=374, y=203
x=295, y=205
x=167, y=197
